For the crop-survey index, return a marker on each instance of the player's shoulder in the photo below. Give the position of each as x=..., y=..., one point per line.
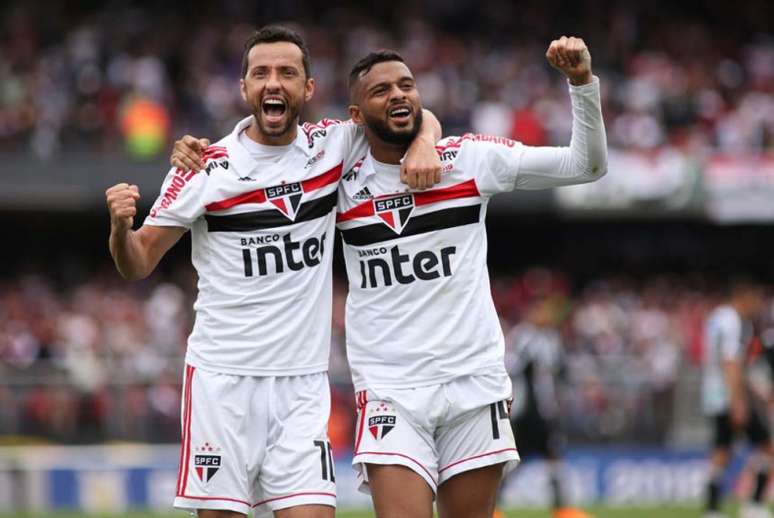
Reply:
x=216, y=157
x=326, y=129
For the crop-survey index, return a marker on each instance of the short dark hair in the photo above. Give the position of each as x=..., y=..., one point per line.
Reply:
x=273, y=34
x=363, y=66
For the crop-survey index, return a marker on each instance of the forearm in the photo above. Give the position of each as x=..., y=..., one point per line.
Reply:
x=431, y=127
x=128, y=254
x=584, y=160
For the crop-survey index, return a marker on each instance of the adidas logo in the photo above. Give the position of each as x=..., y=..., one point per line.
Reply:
x=363, y=194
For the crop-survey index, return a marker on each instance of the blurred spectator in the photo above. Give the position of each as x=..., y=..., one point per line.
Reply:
x=67, y=84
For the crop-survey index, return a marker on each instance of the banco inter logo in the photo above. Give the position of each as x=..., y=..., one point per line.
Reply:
x=286, y=198
x=395, y=211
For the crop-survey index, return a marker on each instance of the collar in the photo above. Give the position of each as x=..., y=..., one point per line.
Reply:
x=369, y=165
x=240, y=157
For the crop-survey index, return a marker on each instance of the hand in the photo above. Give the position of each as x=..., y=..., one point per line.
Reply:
x=571, y=57
x=187, y=153
x=738, y=414
x=122, y=204
x=421, y=168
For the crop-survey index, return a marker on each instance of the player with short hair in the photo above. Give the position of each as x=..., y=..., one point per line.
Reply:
x=433, y=394
x=261, y=211
x=727, y=398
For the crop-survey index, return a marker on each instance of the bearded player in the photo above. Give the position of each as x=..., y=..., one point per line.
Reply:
x=433, y=394
x=261, y=211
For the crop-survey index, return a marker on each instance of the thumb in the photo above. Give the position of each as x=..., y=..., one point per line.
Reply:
x=204, y=143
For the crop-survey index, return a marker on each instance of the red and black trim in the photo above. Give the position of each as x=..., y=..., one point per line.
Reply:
x=271, y=218
x=461, y=190
x=437, y=220
x=259, y=195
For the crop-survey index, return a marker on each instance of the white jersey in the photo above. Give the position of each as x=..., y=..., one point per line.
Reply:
x=723, y=341
x=262, y=242
x=419, y=309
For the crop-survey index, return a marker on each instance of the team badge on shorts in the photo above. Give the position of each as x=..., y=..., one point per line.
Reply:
x=207, y=461
x=395, y=211
x=286, y=197
x=381, y=420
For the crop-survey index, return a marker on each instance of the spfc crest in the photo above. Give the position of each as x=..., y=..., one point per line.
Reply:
x=381, y=420
x=286, y=198
x=395, y=211
x=207, y=462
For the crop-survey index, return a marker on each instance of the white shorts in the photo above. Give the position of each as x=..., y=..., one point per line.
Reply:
x=254, y=442
x=437, y=431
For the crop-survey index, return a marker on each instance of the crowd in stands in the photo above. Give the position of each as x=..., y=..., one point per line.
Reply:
x=703, y=79
x=101, y=359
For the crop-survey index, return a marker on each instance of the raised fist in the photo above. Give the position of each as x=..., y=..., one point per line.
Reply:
x=571, y=57
x=122, y=204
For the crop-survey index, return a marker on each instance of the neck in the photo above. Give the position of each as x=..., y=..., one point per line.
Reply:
x=385, y=152
x=255, y=133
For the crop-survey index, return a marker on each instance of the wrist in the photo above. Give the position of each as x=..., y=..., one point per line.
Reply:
x=581, y=79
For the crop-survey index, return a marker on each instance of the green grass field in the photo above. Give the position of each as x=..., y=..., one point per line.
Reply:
x=598, y=512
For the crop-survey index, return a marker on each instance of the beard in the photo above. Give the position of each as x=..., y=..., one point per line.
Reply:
x=291, y=120
x=382, y=130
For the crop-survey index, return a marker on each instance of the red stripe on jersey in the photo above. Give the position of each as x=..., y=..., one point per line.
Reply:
x=461, y=190
x=213, y=156
x=363, y=210
x=257, y=196
x=320, y=181
x=466, y=189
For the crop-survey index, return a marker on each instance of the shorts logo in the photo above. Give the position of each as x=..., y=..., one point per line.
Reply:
x=207, y=462
x=382, y=420
x=395, y=211
x=286, y=198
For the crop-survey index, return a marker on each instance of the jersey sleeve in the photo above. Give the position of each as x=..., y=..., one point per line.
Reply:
x=346, y=134
x=180, y=202
x=494, y=161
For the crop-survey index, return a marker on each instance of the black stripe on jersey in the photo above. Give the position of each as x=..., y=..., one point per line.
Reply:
x=438, y=220
x=272, y=218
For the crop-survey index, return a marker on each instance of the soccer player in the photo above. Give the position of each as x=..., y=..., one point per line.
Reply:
x=432, y=393
x=727, y=397
x=535, y=361
x=261, y=212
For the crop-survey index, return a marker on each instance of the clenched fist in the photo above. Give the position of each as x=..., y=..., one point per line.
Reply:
x=122, y=204
x=571, y=57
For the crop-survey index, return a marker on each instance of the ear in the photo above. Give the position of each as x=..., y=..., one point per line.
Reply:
x=243, y=89
x=356, y=115
x=309, y=89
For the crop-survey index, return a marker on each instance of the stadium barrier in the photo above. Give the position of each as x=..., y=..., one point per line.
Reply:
x=121, y=477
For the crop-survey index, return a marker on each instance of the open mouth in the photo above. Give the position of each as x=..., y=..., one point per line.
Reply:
x=400, y=113
x=273, y=108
